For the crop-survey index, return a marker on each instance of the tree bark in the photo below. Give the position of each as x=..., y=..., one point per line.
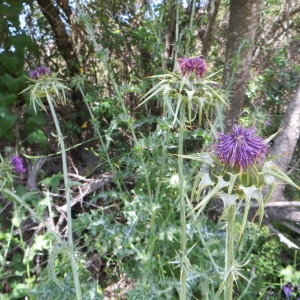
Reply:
x=66, y=48
x=62, y=38
x=286, y=140
x=64, y=5
x=243, y=22
x=170, y=37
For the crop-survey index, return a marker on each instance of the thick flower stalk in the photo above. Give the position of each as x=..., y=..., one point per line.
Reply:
x=241, y=148
x=185, y=99
x=240, y=151
x=47, y=86
x=188, y=66
x=17, y=164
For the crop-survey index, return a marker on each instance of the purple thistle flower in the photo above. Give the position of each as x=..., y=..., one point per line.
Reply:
x=17, y=163
x=288, y=290
x=241, y=147
x=196, y=65
x=39, y=72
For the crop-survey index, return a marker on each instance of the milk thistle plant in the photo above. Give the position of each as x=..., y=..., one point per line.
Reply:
x=47, y=86
x=236, y=170
x=185, y=98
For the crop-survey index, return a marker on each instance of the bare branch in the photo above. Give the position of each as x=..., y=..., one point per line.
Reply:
x=282, y=238
x=291, y=227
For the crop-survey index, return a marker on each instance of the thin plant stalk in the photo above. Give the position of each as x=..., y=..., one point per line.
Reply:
x=183, y=276
x=68, y=198
x=229, y=259
x=96, y=128
x=97, y=131
x=50, y=212
x=119, y=98
x=153, y=215
x=23, y=245
x=151, y=248
x=176, y=34
x=187, y=45
x=208, y=252
x=130, y=126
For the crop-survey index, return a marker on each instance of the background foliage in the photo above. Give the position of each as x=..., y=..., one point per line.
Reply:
x=115, y=47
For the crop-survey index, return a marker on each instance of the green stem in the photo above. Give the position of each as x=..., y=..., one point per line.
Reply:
x=208, y=252
x=176, y=35
x=130, y=125
x=187, y=44
x=229, y=259
x=150, y=251
x=25, y=249
x=97, y=131
x=183, y=276
x=152, y=237
x=68, y=198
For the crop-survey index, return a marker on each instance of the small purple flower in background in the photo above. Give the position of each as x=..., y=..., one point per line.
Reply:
x=196, y=65
x=39, y=72
x=17, y=163
x=268, y=122
x=288, y=290
x=241, y=147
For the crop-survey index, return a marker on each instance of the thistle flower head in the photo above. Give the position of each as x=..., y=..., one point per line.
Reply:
x=288, y=290
x=17, y=164
x=39, y=72
x=241, y=147
x=196, y=65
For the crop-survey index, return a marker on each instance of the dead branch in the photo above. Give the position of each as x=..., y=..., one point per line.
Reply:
x=88, y=187
x=282, y=238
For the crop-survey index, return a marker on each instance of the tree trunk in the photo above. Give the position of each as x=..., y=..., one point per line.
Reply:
x=286, y=140
x=170, y=38
x=66, y=48
x=243, y=22
x=63, y=42
x=206, y=39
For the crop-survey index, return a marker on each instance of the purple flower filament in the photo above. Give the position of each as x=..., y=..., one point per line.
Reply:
x=39, y=72
x=196, y=65
x=17, y=163
x=241, y=147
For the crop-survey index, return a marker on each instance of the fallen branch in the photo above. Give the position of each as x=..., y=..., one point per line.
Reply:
x=282, y=238
x=88, y=187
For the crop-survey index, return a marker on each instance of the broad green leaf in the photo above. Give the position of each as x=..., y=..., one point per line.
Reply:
x=7, y=120
x=14, y=84
x=38, y=137
x=11, y=63
x=7, y=100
